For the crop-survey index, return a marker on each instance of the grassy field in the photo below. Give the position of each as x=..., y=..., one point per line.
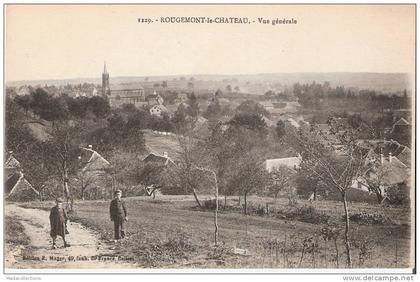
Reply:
x=170, y=232
x=161, y=143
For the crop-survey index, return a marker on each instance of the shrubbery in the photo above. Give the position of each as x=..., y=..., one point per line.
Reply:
x=153, y=251
x=306, y=214
x=370, y=219
x=398, y=194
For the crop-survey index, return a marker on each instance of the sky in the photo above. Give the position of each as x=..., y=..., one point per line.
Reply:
x=73, y=41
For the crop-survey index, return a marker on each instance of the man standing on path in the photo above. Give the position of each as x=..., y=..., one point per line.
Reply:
x=118, y=213
x=58, y=222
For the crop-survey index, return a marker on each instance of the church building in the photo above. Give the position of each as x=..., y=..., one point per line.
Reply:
x=121, y=94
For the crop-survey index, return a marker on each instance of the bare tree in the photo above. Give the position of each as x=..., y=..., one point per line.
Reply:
x=281, y=180
x=186, y=171
x=375, y=180
x=336, y=159
x=216, y=195
x=63, y=152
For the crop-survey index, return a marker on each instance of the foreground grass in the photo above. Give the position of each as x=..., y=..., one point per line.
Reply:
x=14, y=232
x=169, y=232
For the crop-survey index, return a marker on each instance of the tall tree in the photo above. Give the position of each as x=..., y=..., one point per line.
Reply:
x=193, y=106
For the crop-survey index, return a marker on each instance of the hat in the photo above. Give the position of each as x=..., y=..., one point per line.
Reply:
x=117, y=192
x=59, y=200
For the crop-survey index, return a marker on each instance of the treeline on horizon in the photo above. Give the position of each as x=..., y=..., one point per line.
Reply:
x=316, y=95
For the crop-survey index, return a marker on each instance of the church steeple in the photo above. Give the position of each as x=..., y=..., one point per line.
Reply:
x=105, y=82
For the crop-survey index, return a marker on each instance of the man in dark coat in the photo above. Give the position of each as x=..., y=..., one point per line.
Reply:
x=58, y=221
x=118, y=213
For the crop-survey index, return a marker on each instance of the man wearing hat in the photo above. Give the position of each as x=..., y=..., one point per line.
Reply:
x=118, y=213
x=58, y=221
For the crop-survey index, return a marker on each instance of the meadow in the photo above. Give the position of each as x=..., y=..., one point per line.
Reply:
x=170, y=231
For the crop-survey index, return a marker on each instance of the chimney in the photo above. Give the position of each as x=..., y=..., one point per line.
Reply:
x=165, y=154
x=390, y=157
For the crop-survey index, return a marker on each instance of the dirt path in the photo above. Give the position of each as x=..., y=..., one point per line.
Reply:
x=86, y=250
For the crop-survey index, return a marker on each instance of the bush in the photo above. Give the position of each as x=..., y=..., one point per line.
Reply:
x=210, y=204
x=354, y=195
x=179, y=245
x=15, y=232
x=220, y=252
x=398, y=194
x=370, y=219
x=260, y=210
x=306, y=214
x=153, y=251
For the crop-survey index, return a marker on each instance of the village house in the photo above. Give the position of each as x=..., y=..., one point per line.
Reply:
x=157, y=172
x=383, y=171
x=158, y=110
x=17, y=187
x=96, y=175
x=290, y=162
x=154, y=99
x=397, y=150
x=156, y=158
x=23, y=90
x=94, y=92
x=386, y=147
x=400, y=125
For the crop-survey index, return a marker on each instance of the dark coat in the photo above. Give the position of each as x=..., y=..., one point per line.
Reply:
x=58, y=221
x=117, y=210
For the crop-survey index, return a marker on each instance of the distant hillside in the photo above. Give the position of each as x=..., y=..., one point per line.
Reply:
x=386, y=82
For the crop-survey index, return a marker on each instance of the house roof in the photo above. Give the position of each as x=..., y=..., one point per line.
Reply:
x=402, y=121
x=11, y=182
x=293, y=122
x=201, y=120
x=268, y=121
x=96, y=162
x=395, y=171
x=405, y=156
x=290, y=162
x=12, y=162
x=18, y=184
x=161, y=107
x=403, y=153
x=153, y=96
x=156, y=158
